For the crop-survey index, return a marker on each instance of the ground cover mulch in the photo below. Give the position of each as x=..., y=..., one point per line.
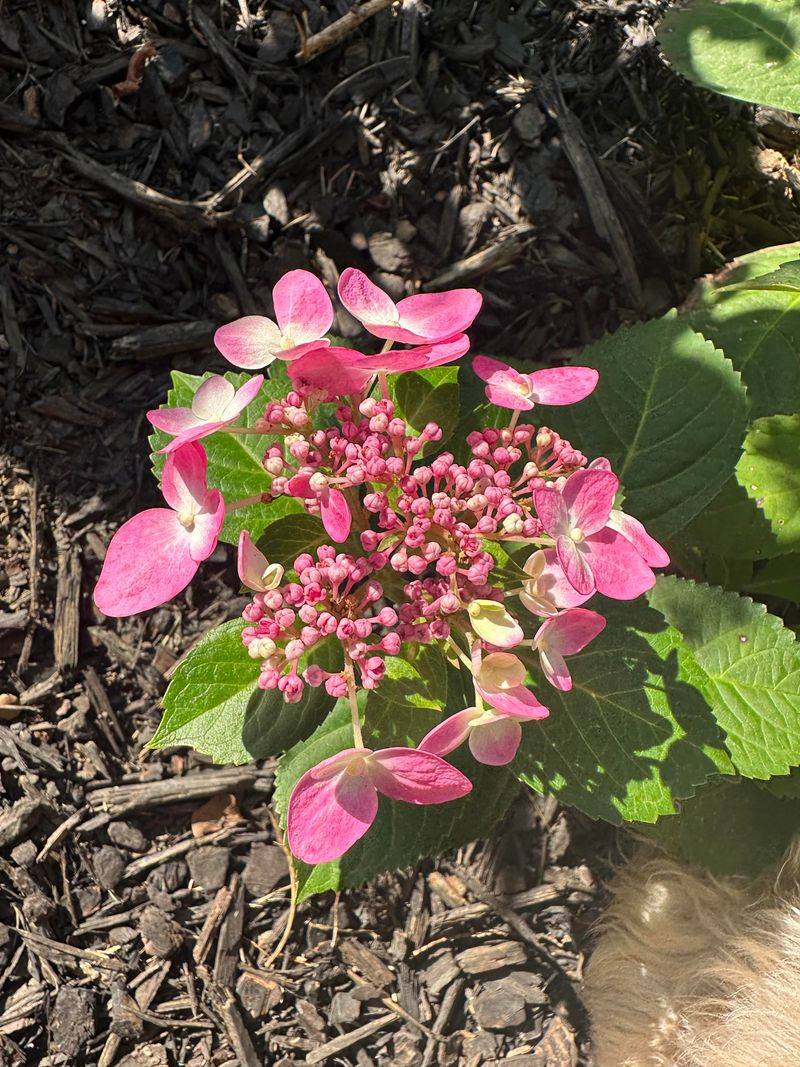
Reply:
x=161, y=165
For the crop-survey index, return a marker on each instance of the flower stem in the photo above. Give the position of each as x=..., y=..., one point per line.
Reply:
x=258, y=498
x=514, y=420
x=350, y=678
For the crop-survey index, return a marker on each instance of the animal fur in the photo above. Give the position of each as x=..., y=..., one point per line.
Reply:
x=692, y=971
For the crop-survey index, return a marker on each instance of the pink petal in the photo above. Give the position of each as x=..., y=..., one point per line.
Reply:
x=551, y=591
x=589, y=496
x=296, y=351
x=450, y=733
x=335, y=514
x=194, y=433
x=555, y=669
x=250, y=342
x=300, y=486
x=576, y=566
x=507, y=398
x=632, y=530
x=563, y=385
x=499, y=670
x=302, y=306
x=552, y=511
x=332, y=370
x=147, y=563
x=437, y=316
x=366, y=302
x=619, y=571
x=183, y=480
x=416, y=777
x=243, y=396
x=329, y=812
x=494, y=372
x=207, y=524
x=518, y=702
x=212, y=398
x=571, y=631
x=173, y=420
x=254, y=569
x=445, y=351
x=496, y=743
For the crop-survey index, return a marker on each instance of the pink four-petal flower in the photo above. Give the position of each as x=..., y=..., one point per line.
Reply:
x=547, y=591
x=593, y=555
x=494, y=733
x=420, y=319
x=216, y=403
x=556, y=386
x=333, y=507
x=154, y=555
x=334, y=804
x=304, y=314
x=565, y=635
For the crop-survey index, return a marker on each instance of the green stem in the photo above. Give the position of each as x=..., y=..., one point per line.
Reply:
x=258, y=498
x=350, y=678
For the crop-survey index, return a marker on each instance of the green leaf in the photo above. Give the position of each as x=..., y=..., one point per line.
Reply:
x=769, y=470
x=731, y=527
x=669, y=412
x=747, y=49
x=402, y=833
x=786, y=279
x=213, y=703
x=286, y=538
x=634, y=734
x=730, y=827
x=759, y=331
x=748, y=671
x=779, y=578
x=427, y=396
x=234, y=460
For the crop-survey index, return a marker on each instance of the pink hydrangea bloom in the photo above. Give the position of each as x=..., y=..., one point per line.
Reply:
x=547, y=591
x=593, y=555
x=333, y=507
x=334, y=804
x=304, y=314
x=424, y=318
x=494, y=733
x=155, y=555
x=255, y=570
x=216, y=403
x=556, y=386
x=564, y=635
x=344, y=372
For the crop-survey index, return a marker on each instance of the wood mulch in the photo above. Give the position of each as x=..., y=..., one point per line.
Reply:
x=161, y=164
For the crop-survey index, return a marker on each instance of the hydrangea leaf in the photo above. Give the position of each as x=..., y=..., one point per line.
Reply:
x=288, y=537
x=234, y=460
x=402, y=834
x=747, y=669
x=635, y=734
x=213, y=703
x=729, y=827
x=758, y=330
x=427, y=396
x=769, y=471
x=669, y=412
x=778, y=577
x=748, y=50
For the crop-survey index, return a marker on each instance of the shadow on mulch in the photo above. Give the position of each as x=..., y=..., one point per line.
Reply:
x=161, y=165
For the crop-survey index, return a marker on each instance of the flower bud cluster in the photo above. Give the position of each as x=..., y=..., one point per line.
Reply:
x=335, y=596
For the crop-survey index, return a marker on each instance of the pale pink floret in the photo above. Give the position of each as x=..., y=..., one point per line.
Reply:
x=547, y=590
x=555, y=386
x=304, y=314
x=334, y=804
x=255, y=570
x=216, y=403
x=565, y=635
x=344, y=371
x=154, y=555
x=425, y=318
x=333, y=507
x=494, y=733
x=592, y=554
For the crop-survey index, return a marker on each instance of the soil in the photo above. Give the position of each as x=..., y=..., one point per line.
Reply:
x=161, y=165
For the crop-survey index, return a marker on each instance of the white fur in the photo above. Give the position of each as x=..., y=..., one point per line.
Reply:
x=691, y=971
